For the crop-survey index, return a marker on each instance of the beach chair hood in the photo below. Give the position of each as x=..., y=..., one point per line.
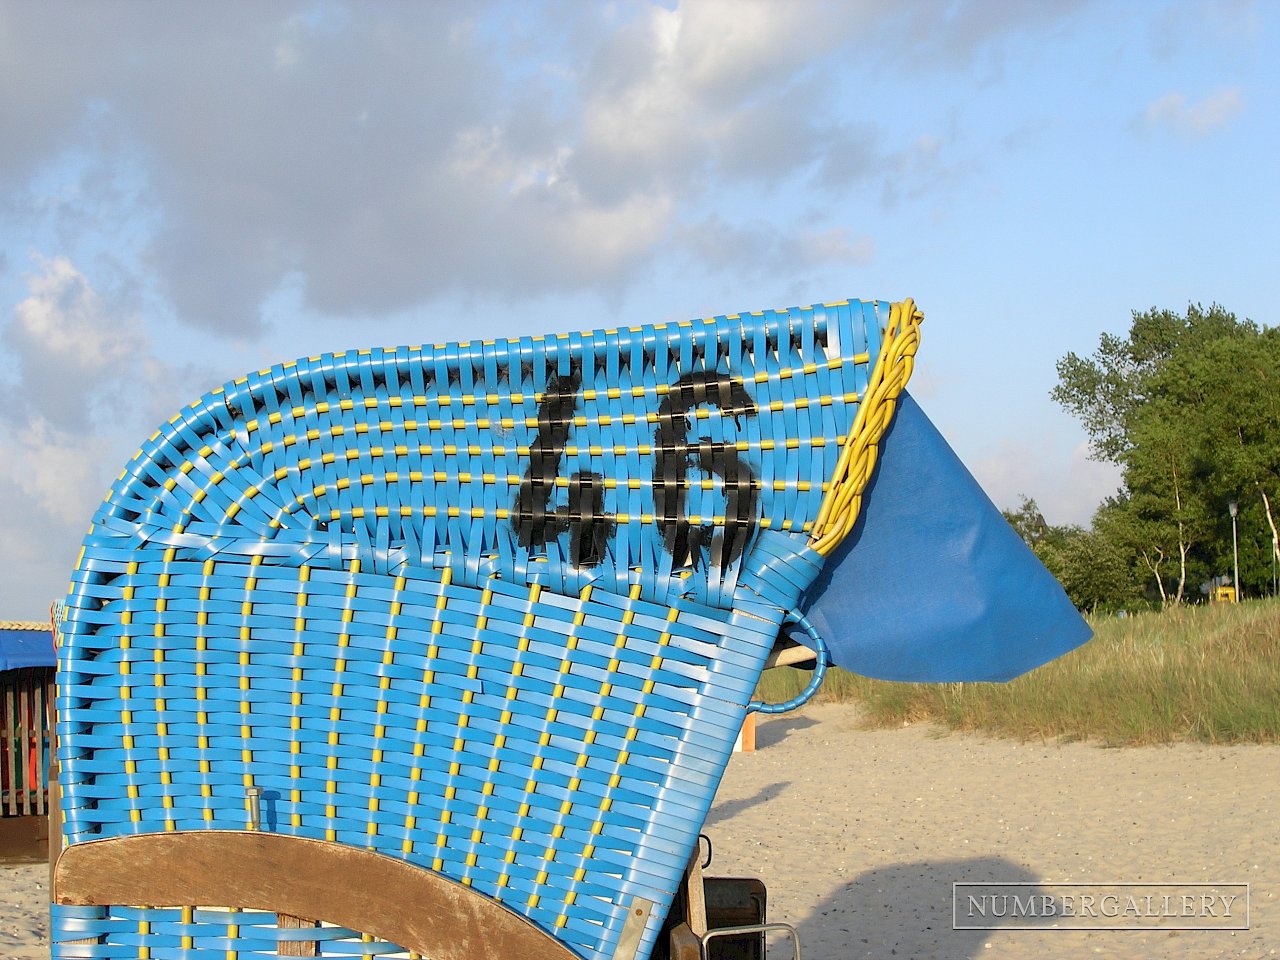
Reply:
x=481, y=620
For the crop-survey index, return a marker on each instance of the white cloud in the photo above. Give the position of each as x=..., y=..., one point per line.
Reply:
x=51, y=481
x=60, y=474
x=556, y=239
x=83, y=371
x=86, y=387
x=1195, y=118
x=389, y=155
x=728, y=49
x=760, y=247
x=717, y=88
x=374, y=158
x=604, y=239
x=67, y=343
x=67, y=320
x=835, y=245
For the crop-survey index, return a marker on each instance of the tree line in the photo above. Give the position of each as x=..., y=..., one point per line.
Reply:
x=1188, y=405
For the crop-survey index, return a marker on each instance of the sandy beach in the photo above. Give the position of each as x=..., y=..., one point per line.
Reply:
x=860, y=834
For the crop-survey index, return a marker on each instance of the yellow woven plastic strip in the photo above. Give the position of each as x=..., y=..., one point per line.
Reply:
x=875, y=412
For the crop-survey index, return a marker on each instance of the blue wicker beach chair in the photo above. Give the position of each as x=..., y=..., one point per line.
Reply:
x=443, y=651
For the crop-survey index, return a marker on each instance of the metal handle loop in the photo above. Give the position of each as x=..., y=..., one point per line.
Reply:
x=761, y=928
x=819, y=671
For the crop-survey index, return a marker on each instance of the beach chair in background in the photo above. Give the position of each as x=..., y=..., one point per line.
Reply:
x=442, y=651
x=26, y=690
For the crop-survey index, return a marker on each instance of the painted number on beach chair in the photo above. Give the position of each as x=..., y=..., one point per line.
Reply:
x=674, y=454
x=583, y=516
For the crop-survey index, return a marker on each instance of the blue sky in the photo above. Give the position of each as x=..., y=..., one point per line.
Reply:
x=192, y=191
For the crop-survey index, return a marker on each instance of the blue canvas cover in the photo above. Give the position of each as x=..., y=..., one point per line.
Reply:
x=933, y=585
x=26, y=648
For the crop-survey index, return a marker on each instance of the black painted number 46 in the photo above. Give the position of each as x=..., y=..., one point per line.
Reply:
x=583, y=516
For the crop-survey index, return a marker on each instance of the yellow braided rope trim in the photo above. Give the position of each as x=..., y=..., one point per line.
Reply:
x=875, y=412
x=23, y=625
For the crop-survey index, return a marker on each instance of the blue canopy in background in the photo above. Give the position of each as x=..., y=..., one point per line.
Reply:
x=26, y=647
x=933, y=585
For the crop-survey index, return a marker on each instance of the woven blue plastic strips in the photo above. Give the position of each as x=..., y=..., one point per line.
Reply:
x=493, y=609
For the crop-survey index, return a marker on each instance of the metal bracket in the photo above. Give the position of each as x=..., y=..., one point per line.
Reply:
x=752, y=928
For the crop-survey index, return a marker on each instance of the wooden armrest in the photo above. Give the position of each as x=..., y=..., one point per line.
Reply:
x=368, y=892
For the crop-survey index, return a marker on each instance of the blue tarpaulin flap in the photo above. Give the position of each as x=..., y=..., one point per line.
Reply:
x=26, y=648
x=933, y=585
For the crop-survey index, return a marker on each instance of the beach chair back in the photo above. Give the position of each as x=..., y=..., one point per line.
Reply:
x=444, y=649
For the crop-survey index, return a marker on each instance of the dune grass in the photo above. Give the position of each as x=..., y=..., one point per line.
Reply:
x=1208, y=674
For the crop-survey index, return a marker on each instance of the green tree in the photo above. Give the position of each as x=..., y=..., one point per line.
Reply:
x=1107, y=391
x=1103, y=575
x=1027, y=521
x=1169, y=511
x=1228, y=394
x=1157, y=403
x=1093, y=566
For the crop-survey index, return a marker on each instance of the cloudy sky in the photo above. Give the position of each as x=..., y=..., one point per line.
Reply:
x=190, y=191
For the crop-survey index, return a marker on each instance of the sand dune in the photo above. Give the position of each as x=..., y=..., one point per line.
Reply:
x=860, y=834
